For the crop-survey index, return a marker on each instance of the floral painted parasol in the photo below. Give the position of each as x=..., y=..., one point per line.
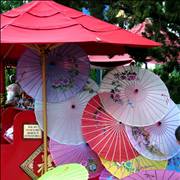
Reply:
x=136, y=96
x=67, y=70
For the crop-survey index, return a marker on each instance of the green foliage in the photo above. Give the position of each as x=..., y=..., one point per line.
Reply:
x=78, y=4
x=6, y=5
x=170, y=78
x=93, y=74
x=8, y=73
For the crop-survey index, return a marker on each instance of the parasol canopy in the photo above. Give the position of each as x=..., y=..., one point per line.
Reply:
x=136, y=97
x=66, y=172
x=64, y=119
x=105, y=135
x=158, y=141
x=67, y=70
x=47, y=22
x=174, y=163
x=124, y=169
x=107, y=62
x=82, y=154
x=105, y=175
x=154, y=175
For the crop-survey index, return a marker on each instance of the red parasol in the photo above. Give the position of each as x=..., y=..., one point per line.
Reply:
x=107, y=62
x=104, y=134
x=43, y=23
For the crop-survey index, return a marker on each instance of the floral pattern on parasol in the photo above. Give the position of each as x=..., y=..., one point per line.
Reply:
x=124, y=169
x=67, y=70
x=134, y=94
x=157, y=142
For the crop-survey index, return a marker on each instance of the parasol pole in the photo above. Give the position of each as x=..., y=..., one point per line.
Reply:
x=43, y=61
x=43, y=51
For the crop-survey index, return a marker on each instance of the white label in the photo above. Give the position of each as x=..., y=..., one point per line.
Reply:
x=32, y=131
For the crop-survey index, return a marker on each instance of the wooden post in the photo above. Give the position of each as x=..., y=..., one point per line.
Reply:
x=44, y=99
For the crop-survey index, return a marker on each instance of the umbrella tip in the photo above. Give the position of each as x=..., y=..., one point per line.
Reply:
x=136, y=90
x=159, y=123
x=73, y=106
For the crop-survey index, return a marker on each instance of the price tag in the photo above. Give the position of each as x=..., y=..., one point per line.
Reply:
x=32, y=131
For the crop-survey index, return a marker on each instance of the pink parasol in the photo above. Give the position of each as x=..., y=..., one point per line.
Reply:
x=136, y=96
x=154, y=175
x=64, y=154
x=107, y=62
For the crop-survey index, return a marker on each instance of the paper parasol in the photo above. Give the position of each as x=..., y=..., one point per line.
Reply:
x=137, y=97
x=67, y=70
x=105, y=175
x=82, y=154
x=121, y=170
x=157, y=142
x=154, y=175
x=64, y=119
x=174, y=163
x=106, y=136
x=66, y=172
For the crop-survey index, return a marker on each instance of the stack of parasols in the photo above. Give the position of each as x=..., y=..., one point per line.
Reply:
x=131, y=125
x=127, y=125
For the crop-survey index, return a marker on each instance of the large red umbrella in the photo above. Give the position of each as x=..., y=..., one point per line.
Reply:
x=48, y=22
x=39, y=24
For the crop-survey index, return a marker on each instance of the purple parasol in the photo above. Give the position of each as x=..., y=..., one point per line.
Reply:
x=154, y=175
x=105, y=175
x=67, y=70
x=64, y=154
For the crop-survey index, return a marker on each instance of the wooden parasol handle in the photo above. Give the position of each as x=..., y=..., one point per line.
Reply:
x=44, y=98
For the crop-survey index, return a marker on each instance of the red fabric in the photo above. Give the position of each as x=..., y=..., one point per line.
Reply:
x=49, y=22
x=96, y=178
x=2, y=77
x=105, y=61
x=13, y=155
x=104, y=134
x=2, y=87
x=32, y=22
x=8, y=116
x=13, y=51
